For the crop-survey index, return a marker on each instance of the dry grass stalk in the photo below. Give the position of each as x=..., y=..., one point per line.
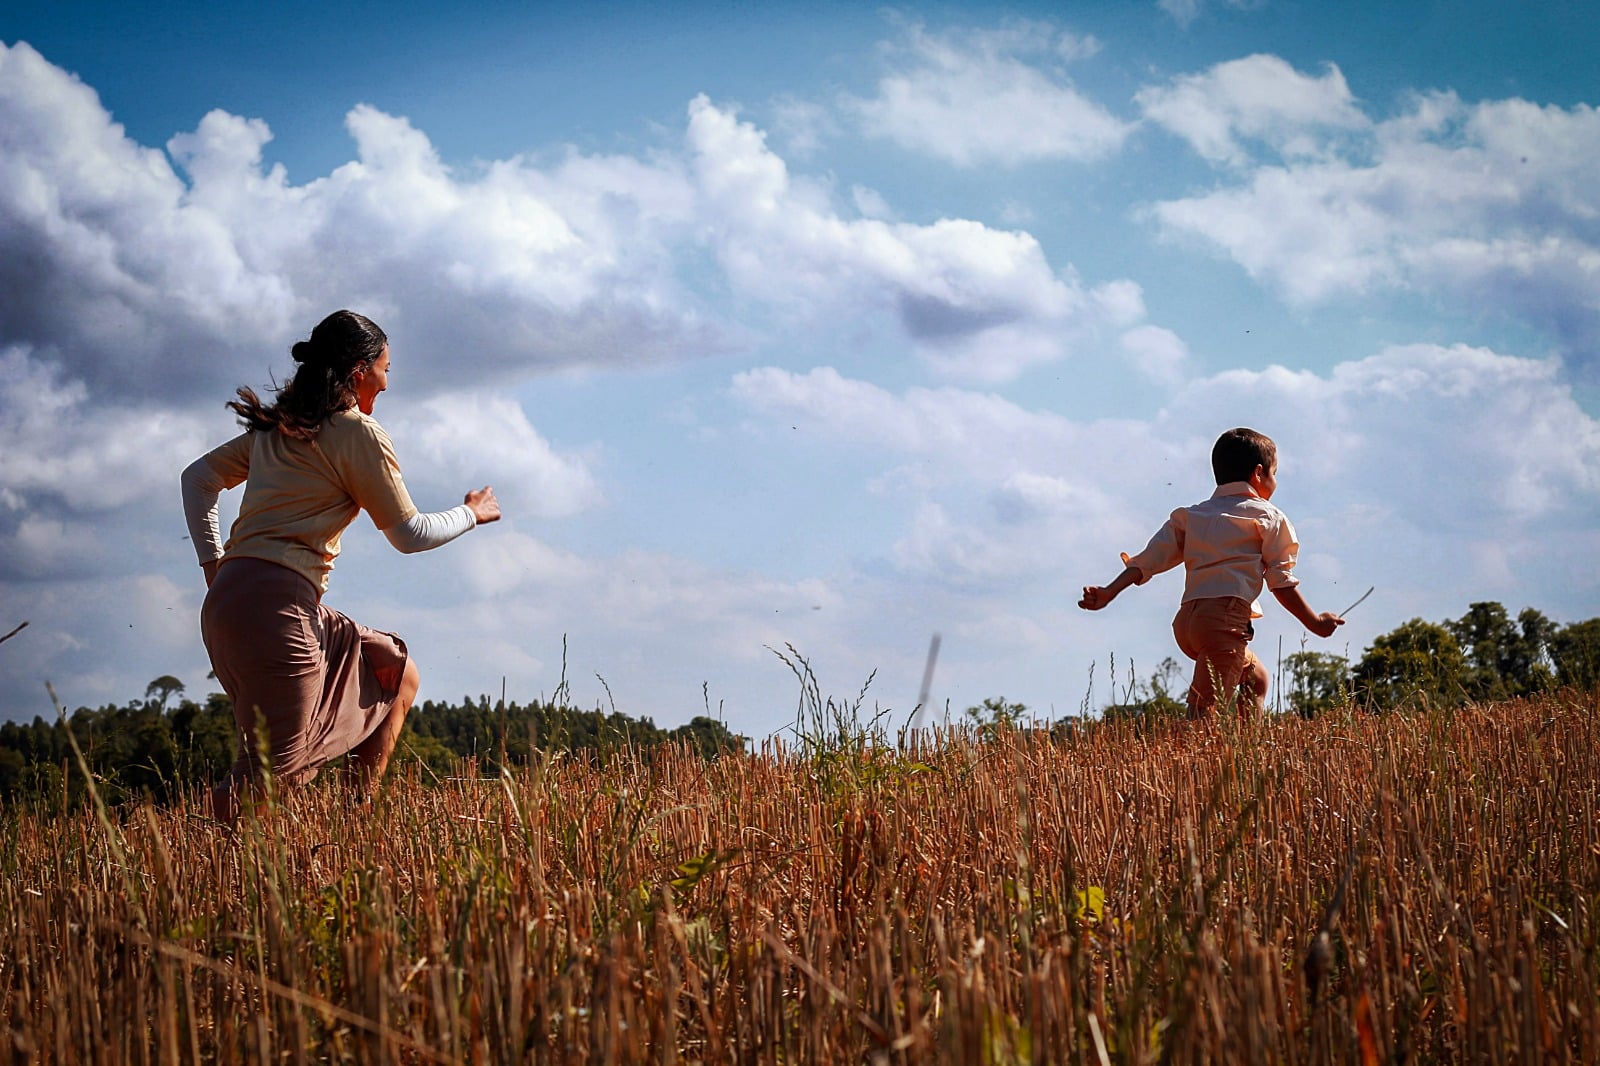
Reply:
x=1116, y=896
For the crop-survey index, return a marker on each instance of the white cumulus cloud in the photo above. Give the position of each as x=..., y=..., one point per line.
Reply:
x=177, y=274
x=979, y=303
x=172, y=273
x=1489, y=207
x=106, y=263
x=57, y=447
x=453, y=442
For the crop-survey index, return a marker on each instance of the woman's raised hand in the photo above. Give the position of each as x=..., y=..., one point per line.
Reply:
x=483, y=505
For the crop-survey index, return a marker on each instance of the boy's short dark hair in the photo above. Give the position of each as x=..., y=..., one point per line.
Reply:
x=1238, y=452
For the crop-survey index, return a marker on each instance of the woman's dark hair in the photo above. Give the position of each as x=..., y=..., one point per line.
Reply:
x=324, y=384
x=1238, y=452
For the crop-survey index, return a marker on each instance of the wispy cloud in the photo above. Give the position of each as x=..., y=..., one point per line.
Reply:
x=1032, y=487
x=1186, y=12
x=1259, y=99
x=989, y=97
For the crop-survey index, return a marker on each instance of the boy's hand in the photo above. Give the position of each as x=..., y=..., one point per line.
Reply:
x=1324, y=624
x=1095, y=597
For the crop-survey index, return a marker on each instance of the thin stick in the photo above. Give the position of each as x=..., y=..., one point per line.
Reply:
x=927, y=680
x=1356, y=604
x=13, y=633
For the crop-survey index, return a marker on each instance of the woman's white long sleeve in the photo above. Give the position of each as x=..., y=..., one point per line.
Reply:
x=202, y=486
x=423, y=531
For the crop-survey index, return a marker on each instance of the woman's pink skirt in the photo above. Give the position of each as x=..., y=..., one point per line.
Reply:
x=307, y=683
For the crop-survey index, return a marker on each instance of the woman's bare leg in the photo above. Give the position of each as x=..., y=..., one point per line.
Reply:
x=236, y=794
x=371, y=756
x=225, y=802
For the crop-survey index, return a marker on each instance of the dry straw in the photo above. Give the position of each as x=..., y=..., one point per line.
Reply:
x=1408, y=887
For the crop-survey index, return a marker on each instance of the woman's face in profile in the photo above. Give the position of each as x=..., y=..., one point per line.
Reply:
x=371, y=380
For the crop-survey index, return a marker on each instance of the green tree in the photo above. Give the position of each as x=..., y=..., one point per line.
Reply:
x=1419, y=659
x=1533, y=659
x=1318, y=682
x=995, y=715
x=204, y=736
x=708, y=736
x=1504, y=659
x=1164, y=695
x=164, y=687
x=13, y=770
x=1575, y=651
x=427, y=750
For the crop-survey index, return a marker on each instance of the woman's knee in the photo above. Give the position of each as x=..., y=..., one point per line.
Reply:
x=410, y=680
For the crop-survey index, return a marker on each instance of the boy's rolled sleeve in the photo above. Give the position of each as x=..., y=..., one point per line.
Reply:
x=1279, y=550
x=1164, y=551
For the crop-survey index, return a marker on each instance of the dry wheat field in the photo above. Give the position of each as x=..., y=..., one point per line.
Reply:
x=1419, y=886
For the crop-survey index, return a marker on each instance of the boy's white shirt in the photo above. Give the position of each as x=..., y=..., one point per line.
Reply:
x=1231, y=545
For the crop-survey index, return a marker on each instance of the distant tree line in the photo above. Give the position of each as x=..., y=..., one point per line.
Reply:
x=1482, y=656
x=146, y=748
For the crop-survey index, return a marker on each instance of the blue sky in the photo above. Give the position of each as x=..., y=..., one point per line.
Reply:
x=832, y=328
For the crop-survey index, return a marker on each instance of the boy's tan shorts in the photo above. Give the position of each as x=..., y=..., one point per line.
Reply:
x=1216, y=634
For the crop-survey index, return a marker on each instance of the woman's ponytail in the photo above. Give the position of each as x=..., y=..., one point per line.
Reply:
x=324, y=383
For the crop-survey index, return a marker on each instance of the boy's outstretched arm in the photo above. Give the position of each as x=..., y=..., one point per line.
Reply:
x=1096, y=596
x=1322, y=624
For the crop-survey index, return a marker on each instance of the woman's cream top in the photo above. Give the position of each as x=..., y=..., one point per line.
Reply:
x=299, y=495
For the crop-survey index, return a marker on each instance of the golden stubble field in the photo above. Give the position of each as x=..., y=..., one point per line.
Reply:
x=1417, y=886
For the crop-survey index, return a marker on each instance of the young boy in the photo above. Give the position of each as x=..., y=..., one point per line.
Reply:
x=1229, y=545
